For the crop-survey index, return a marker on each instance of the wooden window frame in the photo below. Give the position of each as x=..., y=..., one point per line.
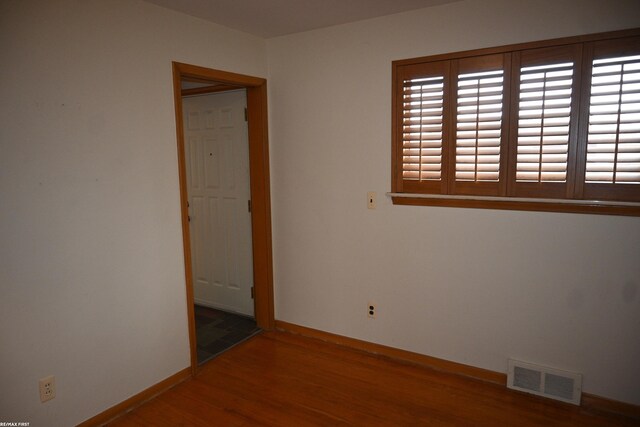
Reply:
x=574, y=195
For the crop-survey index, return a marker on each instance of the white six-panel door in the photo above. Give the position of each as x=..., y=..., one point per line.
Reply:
x=217, y=154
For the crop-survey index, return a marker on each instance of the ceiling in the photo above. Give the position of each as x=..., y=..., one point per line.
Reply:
x=272, y=18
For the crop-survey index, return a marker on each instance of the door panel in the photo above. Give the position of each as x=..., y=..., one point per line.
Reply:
x=218, y=186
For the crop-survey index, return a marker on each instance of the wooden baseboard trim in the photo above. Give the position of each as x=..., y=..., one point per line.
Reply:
x=590, y=402
x=595, y=403
x=134, y=401
x=397, y=354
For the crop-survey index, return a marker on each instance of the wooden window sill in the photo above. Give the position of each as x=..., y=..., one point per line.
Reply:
x=516, y=203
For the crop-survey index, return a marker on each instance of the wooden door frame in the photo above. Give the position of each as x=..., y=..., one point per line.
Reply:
x=259, y=183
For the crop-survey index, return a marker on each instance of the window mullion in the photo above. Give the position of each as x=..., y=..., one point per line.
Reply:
x=451, y=123
x=512, y=155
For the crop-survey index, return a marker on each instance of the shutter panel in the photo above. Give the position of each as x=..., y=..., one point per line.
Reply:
x=610, y=129
x=479, y=126
x=422, y=123
x=613, y=141
x=421, y=114
x=543, y=122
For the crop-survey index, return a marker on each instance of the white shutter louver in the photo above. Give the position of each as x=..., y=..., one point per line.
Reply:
x=613, y=142
x=479, y=124
x=543, y=123
x=422, y=118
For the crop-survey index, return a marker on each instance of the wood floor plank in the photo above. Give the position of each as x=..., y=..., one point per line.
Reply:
x=282, y=379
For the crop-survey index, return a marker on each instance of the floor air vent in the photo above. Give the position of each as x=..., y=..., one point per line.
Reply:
x=543, y=381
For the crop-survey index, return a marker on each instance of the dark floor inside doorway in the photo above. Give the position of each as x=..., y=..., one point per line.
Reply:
x=217, y=331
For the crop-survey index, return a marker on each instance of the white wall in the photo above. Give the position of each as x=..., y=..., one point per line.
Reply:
x=470, y=286
x=91, y=271
x=91, y=267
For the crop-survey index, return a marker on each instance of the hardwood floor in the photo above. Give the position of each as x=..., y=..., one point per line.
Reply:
x=282, y=379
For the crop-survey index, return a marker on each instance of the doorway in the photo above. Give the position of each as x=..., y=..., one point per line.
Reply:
x=206, y=81
x=217, y=160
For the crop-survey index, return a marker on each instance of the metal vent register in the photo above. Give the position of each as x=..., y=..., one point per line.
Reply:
x=543, y=381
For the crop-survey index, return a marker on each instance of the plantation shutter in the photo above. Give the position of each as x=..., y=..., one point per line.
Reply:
x=544, y=128
x=612, y=169
x=423, y=114
x=543, y=123
x=479, y=125
x=479, y=122
x=422, y=128
x=551, y=125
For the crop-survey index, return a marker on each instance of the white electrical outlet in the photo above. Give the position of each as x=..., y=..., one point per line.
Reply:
x=371, y=310
x=371, y=200
x=47, y=388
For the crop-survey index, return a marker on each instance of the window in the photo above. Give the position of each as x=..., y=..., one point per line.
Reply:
x=552, y=125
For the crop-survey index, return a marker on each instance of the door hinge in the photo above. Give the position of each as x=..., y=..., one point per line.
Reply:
x=252, y=293
x=246, y=115
x=249, y=205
